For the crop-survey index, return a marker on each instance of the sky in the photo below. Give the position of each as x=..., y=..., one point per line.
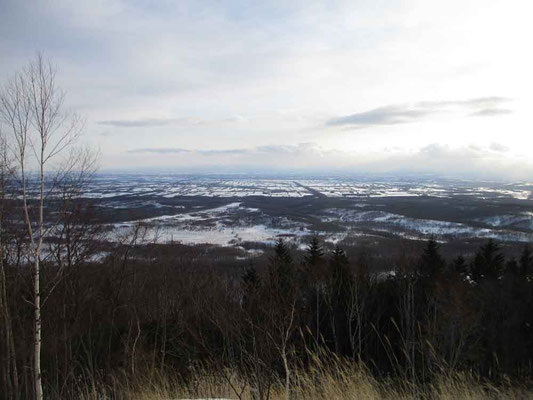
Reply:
x=408, y=87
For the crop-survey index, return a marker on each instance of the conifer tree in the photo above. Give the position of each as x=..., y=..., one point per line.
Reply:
x=339, y=290
x=488, y=263
x=313, y=264
x=315, y=252
x=526, y=262
x=250, y=278
x=460, y=266
x=250, y=282
x=281, y=268
x=431, y=262
x=512, y=268
x=282, y=254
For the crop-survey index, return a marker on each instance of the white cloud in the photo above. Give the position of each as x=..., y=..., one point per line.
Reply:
x=216, y=76
x=468, y=161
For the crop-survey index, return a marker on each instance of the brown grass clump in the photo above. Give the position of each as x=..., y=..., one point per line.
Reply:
x=327, y=377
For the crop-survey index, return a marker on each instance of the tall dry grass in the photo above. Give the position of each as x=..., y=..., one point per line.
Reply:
x=333, y=379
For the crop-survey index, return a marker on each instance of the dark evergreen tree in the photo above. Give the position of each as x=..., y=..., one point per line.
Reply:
x=431, y=262
x=282, y=273
x=488, y=263
x=315, y=252
x=339, y=258
x=250, y=278
x=512, y=268
x=250, y=282
x=460, y=266
x=339, y=289
x=340, y=273
x=313, y=282
x=282, y=253
x=526, y=262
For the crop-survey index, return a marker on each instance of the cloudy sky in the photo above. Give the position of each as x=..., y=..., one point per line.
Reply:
x=342, y=86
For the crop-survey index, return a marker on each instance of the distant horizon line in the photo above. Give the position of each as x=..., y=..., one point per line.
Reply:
x=307, y=174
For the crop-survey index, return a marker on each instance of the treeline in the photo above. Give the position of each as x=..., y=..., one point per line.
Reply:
x=145, y=310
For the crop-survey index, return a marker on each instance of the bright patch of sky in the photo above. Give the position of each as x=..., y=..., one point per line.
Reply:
x=409, y=86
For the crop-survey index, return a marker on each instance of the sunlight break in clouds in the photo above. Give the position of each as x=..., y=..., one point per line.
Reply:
x=369, y=84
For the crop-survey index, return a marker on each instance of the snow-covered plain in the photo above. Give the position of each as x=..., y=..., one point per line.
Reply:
x=234, y=222
x=169, y=186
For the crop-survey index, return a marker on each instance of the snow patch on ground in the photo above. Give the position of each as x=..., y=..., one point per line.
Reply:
x=210, y=226
x=406, y=227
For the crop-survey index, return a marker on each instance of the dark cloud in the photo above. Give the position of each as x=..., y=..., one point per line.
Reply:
x=478, y=102
x=156, y=122
x=139, y=123
x=406, y=113
x=491, y=112
x=222, y=152
x=278, y=149
x=269, y=149
x=498, y=147
x=161, y=150
x=174, y=150
x=387, y=115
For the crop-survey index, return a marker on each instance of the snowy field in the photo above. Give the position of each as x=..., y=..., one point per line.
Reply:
x=230, y=212
x=212, y=226
x=169, y=186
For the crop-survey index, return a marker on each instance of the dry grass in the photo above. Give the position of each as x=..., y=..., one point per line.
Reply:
x=332, y=380
x=330, y=387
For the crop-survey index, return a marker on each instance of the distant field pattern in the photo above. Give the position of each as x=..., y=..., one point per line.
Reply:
x=237, y=210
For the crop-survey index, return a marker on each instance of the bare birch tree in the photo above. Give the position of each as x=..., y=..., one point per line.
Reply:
x=42, y=131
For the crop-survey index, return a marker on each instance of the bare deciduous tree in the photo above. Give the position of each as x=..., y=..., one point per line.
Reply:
x=32, y=109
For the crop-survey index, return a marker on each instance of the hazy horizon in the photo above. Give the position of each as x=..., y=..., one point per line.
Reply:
x=270, y=173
